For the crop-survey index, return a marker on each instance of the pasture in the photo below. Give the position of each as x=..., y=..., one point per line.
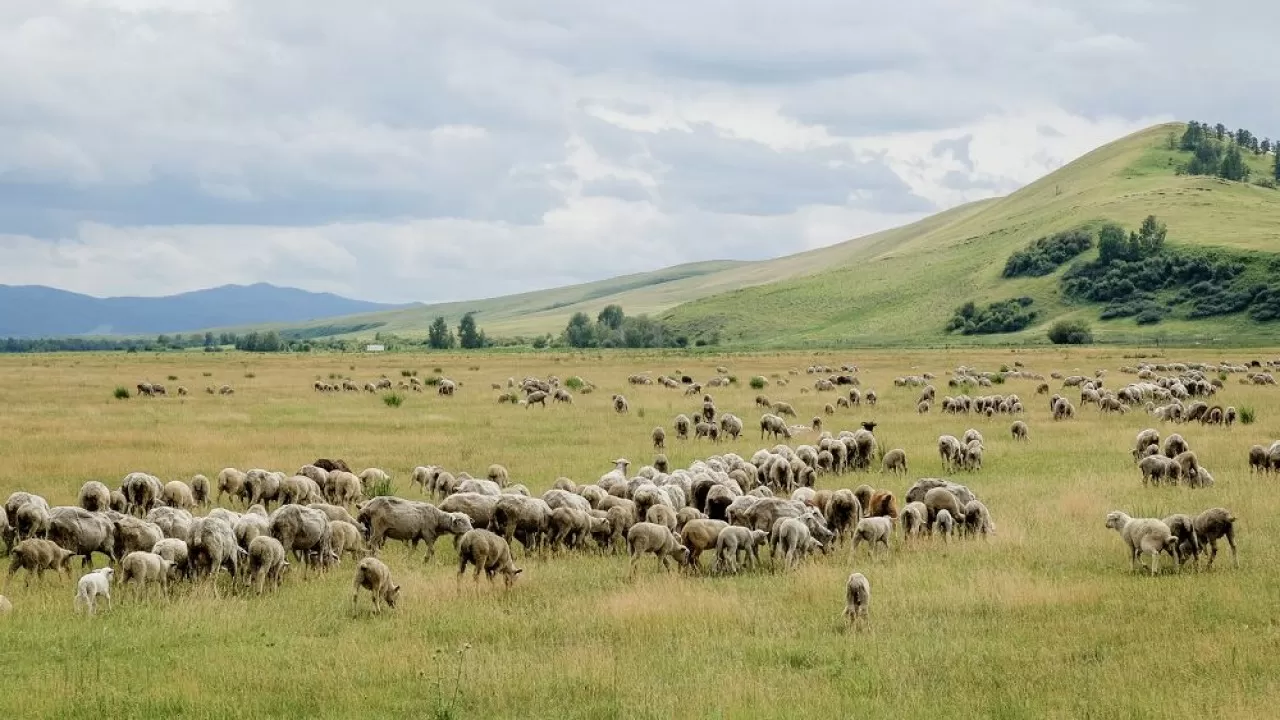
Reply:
x=1042, y=620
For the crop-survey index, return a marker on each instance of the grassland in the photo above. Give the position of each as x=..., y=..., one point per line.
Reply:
x=1042, y=621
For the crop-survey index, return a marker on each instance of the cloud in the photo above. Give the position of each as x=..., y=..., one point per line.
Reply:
x=438, y=151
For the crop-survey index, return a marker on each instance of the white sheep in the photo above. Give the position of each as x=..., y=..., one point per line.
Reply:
x=1144, y=535
x=857, y=597
x=90, y=586
x=873, y=530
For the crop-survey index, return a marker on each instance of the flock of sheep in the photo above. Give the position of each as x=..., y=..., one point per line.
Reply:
x=154, y=534
x=150, y=389
x=444, y=386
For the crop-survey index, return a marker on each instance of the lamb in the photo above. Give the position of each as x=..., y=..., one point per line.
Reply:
x=1144, y=535
x=1174, y=445
x=1018, y=430
x=91, y=586
x=373, y=476
x=620, y=405
x=267, y=561
x=95, y=497
x=951, y=452
x=498, y=474
x=230, y=482
x=698, y=536
x=792, y=535
x=1156, y=468
x=938, y=499
x=647, y=537
x=659, y=438
x=857, y=597
x=488, y=552
x=1259, y=460
x=895, y=461
x=37, y=555
x=1183, y=529
x=373, y=575
x=944, y=524
x=346, y=538
x=682, y=425
x=733, y=542
x=143, y=568
x=873, y=530
x=1213, y=524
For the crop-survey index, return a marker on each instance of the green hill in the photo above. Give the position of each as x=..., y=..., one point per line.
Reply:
x=902, y=286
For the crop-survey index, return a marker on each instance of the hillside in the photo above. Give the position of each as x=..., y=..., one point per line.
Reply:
x=901, y=287
x=38, y=311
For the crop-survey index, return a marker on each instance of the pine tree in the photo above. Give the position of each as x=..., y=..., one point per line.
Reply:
x=468, y=337
x=580, y=333
x=1221, y=130
x=438, y=335
x=1233, y=167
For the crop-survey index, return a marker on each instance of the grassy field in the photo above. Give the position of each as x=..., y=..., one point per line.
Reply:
x=1042, y=621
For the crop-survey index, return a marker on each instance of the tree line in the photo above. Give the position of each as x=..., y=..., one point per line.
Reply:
x=1219, y=152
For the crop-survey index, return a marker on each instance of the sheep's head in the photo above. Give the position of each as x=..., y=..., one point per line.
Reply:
x=1116, y=520
x=459, y=523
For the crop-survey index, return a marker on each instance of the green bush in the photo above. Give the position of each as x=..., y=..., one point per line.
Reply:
x=250, y=375
x=733, y=379
x=574, y=383
x=998, y=317
x=1070, y=332
x=758, y=382
x=207, y=374
x=408, y=373
x=173, y=378
x=432, y=380
x=1047, y=254
x=1247, y=416
x=393, y=399
x=122, y=393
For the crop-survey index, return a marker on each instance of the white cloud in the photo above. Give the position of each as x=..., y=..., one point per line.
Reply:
x=432, y=151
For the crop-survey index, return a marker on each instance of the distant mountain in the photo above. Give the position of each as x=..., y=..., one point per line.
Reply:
x=39, y=311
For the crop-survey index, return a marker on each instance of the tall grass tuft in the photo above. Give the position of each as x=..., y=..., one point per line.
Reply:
x=173, y=378
x=574, y=383
x=393, y=399
x=758, y=382
x=1247, y=415
x=122, y=393
x=380, y=487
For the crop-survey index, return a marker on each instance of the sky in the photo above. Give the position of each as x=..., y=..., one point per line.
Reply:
x=400, y=150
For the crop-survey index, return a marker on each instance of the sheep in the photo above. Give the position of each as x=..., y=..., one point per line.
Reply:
x=344, y=537
x=498, y=474
x=1259, y=460
x=698, y=536
x=373, y=476
x=143, y=568
x=175, y=551
x=526, y=518
x=1213, y=524
x=659, y=436
x=895, y=461
x=177, y=494
x=409, y=521
x=267, y=562
x=1144, y=535
x=488, y=552
x=647, y=537
x=941, y=498
x=569, y=526
x=977, y=519
x=200, y=490
x=94, y=497
x=793, y=537
x=857, y=597
x=944, y=524
x=478, y=508
x=230, y=482
x=130, y=534
x=536, y=397
x=914, y=519
x=1156, y=468
x=1145, y=439
x=662, y=515
x=873, y=530
x=1174, y=445
x=212, y=545
x=84, y=533
x=951, y=452
x=346, y=489
x=373, y=575
x=1188, y=466
x=91, y=586
x=733, y=542
x=37, y=555
x=620, y=405
x=304, y=531
x=1183, y=529
x=1018, y=430
x=921, y=487
x=682, y=425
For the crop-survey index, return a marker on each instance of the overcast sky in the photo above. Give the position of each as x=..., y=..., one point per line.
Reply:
x=402, y=150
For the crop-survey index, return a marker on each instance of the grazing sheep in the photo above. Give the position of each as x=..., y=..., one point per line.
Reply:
x=1183, y=529
x=647, y=537
x=857, y=597
x=1018, y=430
x=874, y=531
x=1259, y=460
x=230, y=482
x=1156, y=468
x=498, y=474
x=267, y=562
x=175, y=551
x=488, y=552
x=1213, y=524
x=200, y=490
x=659, y=438
x=977, y=519
x=409, y=521
x=895, y=461
x=91, y=586
x=1174, y=445
x=944, y=524
x=345, y=537
x=130, y=534
x=95, y=497
x=373, y=575
x=914, y=519
x=1144, y=535
x=620, y=405
x=37, y=555
x=735, y=541
x=793, y=537
x=698, y=536
x=84, y=533
x=145, y=568
x=941, y=498
x=177, y=494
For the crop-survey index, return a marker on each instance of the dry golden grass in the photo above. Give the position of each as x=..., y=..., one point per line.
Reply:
x=1042, y=621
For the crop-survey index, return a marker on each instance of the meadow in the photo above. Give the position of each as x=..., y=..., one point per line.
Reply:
x=1042, y=620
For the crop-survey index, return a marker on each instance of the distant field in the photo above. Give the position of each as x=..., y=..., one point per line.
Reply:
x=1042, y=621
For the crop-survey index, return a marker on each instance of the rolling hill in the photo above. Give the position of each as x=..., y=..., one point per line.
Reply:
x=38, y=311
x=900, y=286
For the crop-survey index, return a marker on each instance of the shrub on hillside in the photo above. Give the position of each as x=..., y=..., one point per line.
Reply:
x=1047, y=254
x=1070, y=332
x=998, y=317
x=122, y=393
